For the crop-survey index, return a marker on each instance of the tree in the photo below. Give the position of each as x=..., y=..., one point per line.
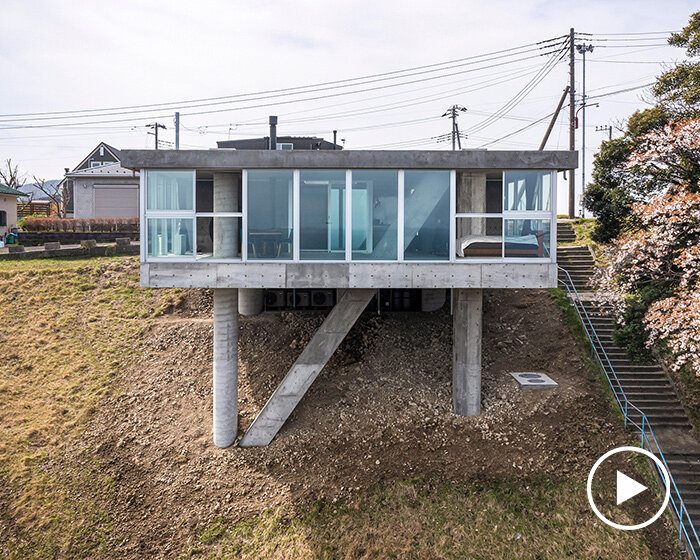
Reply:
x=57, y=195
x=678, y=89
x=11, y=177
x=615, y=186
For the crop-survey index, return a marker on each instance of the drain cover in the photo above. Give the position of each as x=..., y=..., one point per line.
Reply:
x=533, y=380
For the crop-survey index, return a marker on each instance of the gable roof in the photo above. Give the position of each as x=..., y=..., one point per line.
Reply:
x=106, y=170
x=4, y=189
x=116, y=153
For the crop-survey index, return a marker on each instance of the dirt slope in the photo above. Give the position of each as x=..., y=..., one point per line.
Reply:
x=379, y=412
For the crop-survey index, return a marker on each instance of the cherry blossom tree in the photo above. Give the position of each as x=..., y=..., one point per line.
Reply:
x=660, y=255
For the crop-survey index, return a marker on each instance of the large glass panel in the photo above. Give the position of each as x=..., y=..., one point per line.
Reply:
x=527, y=190
x=218, y=238
x=322, y=215
x=527, y=238
x=170, y=237
x=270, y=214
x=427, y=215
x=169, y=190
x=479, y=238
x=374, y=215
x=477, y=193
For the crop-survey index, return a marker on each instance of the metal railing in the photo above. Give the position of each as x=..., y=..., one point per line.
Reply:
x=687, y=531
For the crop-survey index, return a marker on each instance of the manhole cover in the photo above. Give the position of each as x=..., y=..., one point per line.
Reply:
x=533, y=380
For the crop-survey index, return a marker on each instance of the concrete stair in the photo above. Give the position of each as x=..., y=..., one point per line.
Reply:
x=646, y=386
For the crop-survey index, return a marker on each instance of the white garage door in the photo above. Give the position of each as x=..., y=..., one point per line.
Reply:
x=117, y=202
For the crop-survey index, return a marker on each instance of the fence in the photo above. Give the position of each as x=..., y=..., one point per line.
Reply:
x=31, y=208
x=687, y=531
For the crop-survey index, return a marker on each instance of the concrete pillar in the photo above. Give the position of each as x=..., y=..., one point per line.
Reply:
x=471, y=198
x=466, y=355
x=225, y=424
x=226, y=199
x=250, y=301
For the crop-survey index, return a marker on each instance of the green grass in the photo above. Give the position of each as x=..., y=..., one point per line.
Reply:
x=68, y=332
x=420, y=519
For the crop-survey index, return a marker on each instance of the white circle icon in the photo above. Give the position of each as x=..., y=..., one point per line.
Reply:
x=631, y=488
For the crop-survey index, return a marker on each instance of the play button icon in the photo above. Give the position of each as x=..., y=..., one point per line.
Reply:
x=616, y=492
x=627, y=488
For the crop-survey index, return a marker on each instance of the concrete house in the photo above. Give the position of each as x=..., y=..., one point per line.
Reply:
x=8, y=209
x=99, y=187
x=251, y=222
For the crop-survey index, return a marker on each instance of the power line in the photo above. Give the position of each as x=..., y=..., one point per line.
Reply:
x=396, y=74
x=277, y=103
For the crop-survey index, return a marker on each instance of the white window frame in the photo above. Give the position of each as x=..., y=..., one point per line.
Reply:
x=146, y=214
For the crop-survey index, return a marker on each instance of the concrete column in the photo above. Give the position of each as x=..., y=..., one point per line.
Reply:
x=250, y=301
x=471, y=198
x=466, y=355
x=226, y=235
x=225, y=366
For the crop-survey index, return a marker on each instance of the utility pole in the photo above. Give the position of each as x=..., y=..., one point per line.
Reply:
x=607, y=128
x=177, y=130
x=335, y=138
x=583, y=49
x=555, y=116
x=155, y=126
x=572, y=128
x=452, y=113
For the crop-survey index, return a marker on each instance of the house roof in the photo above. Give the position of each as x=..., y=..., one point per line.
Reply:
x=4, y=189
x=113, y=151
x=299, y=143
x=107, y=170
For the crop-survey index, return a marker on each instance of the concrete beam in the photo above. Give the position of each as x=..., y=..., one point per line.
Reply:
x=466, y=355
x=307, y=367
x=349, y=159
x=225, y=421
x=349, y=275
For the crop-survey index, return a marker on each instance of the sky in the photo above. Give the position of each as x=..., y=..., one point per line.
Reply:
x=68, y=56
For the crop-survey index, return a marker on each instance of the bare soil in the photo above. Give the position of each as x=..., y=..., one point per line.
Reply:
x=379, y=412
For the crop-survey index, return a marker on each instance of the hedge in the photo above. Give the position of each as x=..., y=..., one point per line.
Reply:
x=115, y=225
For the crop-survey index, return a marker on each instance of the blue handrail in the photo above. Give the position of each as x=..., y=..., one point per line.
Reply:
x=625, y=405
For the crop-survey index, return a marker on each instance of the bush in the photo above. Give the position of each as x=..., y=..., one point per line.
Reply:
x=110, y=225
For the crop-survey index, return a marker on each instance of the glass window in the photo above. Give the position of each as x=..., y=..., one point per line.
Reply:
x=218, y=238
x=170, y=237
x=374, y=215
x=426, y=215
x=322, y=215
x=270, y=214
x=479, y=238
x=527, y=238
x=169, y=190
x=527, y=190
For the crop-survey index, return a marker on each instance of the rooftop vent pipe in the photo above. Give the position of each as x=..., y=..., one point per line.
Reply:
x=273, y=132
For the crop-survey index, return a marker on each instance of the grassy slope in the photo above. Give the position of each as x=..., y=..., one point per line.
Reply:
x=432, y=519
x=66, y=327
x=68, y=324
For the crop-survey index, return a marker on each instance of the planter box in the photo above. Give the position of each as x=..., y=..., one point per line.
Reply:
x=37, y=238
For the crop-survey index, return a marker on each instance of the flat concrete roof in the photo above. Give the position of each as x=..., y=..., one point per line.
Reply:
x=349, y=159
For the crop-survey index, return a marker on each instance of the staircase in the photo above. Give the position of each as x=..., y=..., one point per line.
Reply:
x=646, y=386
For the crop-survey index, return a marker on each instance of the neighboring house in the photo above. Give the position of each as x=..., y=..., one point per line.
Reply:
x=274, y=142
x=356, y=222
x=8, y=209
x=99, y=187
x=282, y=143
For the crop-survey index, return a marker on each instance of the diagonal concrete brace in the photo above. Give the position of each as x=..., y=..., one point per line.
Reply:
x=307, y=367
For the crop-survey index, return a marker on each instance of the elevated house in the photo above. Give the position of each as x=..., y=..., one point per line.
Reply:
x=247, y=223
x=99, y=187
